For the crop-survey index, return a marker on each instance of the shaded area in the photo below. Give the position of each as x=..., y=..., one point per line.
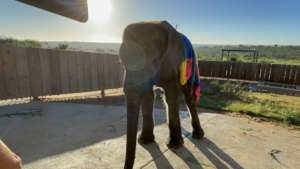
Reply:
x=61, y=127
x=92, y=136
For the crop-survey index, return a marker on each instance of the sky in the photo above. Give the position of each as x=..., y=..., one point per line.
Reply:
x=256, y=22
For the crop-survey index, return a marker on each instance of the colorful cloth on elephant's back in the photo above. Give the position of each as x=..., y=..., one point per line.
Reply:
x=189, y=71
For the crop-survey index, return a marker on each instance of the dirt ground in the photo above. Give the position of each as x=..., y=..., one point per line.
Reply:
x=72, y=135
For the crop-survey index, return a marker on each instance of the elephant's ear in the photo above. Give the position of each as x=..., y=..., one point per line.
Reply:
x=132, y=55
x=74, y=9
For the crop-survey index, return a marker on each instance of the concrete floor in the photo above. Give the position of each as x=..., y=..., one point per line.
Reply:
x=86, y=136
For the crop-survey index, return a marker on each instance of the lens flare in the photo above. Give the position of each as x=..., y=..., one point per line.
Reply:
x=99, y=11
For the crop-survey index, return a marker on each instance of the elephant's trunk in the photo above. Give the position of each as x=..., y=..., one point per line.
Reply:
x=133, y=105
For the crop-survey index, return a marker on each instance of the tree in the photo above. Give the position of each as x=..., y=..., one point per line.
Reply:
x=100, y=50
x=62, y=46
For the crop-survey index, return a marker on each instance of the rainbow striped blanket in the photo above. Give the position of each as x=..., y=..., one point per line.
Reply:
x=189, y=72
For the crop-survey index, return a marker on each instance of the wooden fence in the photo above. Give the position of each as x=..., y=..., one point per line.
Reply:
x=26, y=72
x=288, y=74
x=33, y=72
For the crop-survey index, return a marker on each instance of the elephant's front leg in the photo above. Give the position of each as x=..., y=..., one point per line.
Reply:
x=172, y=97
x=133, y=105
x=147, y=135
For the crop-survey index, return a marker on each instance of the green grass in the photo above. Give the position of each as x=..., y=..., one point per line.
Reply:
x=287, y=61
x=232, y=96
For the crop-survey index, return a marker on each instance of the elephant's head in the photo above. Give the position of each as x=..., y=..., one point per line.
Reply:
x=141, y=53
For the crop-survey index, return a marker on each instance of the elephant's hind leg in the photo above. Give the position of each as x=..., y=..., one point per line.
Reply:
x=147, y=135
x=172, y=98
x=198, y=132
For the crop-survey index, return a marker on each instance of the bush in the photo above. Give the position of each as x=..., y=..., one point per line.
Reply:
x=291, y=117
x=62, y=46
x=20, y=43
x=232, y=89
x=224, y=88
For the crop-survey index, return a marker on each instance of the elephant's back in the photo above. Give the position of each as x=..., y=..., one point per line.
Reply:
x=151, y=35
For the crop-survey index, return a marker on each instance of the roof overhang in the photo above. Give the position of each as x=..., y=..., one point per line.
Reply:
x=74, y=9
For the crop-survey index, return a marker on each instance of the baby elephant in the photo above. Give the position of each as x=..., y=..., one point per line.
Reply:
x=155, y=54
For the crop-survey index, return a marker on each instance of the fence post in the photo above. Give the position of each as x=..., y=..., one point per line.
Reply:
x=102, y=93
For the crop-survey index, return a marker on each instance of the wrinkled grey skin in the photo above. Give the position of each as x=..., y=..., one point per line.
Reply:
x=149, y=48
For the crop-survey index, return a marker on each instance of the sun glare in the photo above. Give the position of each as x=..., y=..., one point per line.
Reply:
x=99, y=11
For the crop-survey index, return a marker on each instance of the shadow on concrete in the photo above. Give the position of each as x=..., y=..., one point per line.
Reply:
x=188, y=157
x=65, y=127
x=62, y=127
x=156, y=153
x=214, y=154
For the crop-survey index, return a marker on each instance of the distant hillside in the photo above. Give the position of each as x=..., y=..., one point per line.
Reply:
x=270, y=54
x=112, y=48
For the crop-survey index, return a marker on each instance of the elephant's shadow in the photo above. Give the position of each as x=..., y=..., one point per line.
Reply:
x=217, y=157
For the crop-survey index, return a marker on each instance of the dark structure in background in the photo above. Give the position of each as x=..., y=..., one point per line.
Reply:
x=228, y=51
x=74, y=9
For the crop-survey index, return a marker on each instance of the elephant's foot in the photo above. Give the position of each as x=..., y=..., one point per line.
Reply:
x=198, y=134
x=175, y=142
x=146, y=139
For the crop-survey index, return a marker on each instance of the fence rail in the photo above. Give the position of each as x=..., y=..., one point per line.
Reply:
x=34, y=72
x=26, y=72
x=288, y=74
